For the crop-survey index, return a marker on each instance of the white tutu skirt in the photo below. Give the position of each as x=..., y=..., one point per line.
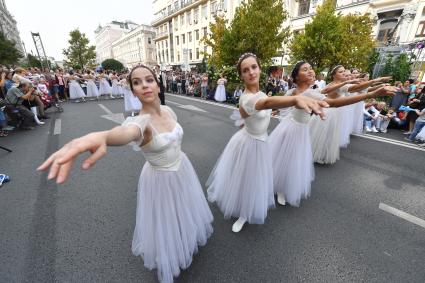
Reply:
x=172, y=219
x=92, y=90
x=346, y=125
x=220, y=93
x=115, y=88
x=75, y=90
x=325, y=136
x=241, y=182
x=358, y=118
x=293, y=169
x=104, y=87
x=131, y=102
x=421, y=135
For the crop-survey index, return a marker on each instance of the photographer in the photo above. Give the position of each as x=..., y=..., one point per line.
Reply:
x=16, y=96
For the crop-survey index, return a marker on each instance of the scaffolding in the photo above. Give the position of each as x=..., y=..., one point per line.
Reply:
x=38, y=43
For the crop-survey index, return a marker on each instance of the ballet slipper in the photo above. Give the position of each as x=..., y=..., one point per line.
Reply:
x=237, y=226
x=281, y=199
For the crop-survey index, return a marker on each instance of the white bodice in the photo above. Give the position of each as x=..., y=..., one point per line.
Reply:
x=300, y=115
x=257, y=123
x=163, y=152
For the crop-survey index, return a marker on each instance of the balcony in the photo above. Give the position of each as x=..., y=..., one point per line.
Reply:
x=160, y=36
x=166, y=14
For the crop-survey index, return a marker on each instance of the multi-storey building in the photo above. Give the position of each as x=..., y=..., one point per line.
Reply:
x=181, y=24
x=136, y=47
x=106, y=35
x=8, y=26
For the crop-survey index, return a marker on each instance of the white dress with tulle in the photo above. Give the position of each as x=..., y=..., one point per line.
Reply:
x=346, y=116
x=173, y=217
x=358, y=115
x=92, y=90
x=421, y=135
x=290, y=143
x=241, y=182
x=104, y=87
x=325, y=136
x=115, y=87
x=131, y=102
x=220, y=92
x=75, y=90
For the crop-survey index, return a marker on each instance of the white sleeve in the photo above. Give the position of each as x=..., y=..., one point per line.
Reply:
x=375, y=111
x=140, y=121
x=366, y=113
x=248, y=103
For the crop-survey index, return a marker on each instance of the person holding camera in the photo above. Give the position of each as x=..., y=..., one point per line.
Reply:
x=15, y=96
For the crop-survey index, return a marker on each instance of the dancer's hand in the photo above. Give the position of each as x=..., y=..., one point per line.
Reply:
x=311, y=105
x=385, y=91
x=61, y=161
x=353, y=81
x=383, y=79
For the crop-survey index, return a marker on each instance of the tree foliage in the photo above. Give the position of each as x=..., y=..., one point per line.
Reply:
x=398, y=67
x=9, y=54
x=79, y=53
x=112, y=64
x=33, y=61
x=256, y=27
x=331, y=39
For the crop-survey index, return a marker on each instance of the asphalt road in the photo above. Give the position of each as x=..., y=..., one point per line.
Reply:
x=81, y=231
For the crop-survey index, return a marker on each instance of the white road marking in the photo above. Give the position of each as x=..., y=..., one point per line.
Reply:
x=391, y=141
x=404, y=215
x=188, y=107
x=105, y=108
x=175, y=103
x=58, y=127
x=115, y=117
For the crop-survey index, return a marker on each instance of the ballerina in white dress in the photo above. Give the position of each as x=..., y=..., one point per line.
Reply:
x=173, y=217
x=92, y=90
x=115, y=88
x=220, y=92
x=104, y=86
x=241, y=182
x=131, y=102
x=75, y=90
x=290, y=142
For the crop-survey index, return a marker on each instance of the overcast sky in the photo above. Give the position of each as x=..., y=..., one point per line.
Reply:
x=54, y=19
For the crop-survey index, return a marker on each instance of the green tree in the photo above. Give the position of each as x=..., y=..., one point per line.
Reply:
x=357, y=42
x=331, y=39
x=321, y=40
x=9, y=54
x=33, y=61
x=401, y=68
x=256, y=27
x=388, y=67
x=373, y=59
x=79, y=53
x=112, y=64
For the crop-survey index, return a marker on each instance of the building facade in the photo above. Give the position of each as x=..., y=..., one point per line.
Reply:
x=180, y=26
x=136, y=47
x=8, y=26
x=106, y=35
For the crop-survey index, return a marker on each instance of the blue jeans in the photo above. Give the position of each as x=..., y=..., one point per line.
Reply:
x=204, y=92
x=416, y=129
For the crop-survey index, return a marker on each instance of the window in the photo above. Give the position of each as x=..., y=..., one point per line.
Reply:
x=204, y=12
x=189, y=34
x=304, y=7
x=190, y=54
x=178, y=56
x=213, y=7
x=189, y=17
x=420, y=32
x=197, y=34
x=195, y=15
x=181, y=20
x=177, y=40
x=205, y=31
x=166, y=44
x=386, y=30
x=149, y=40
x=197, y=53
x=205, y=49
x=176, y=24
x=183, y=39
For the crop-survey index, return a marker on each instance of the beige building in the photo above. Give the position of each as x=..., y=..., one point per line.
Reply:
x=135, y=47
x=8, y=26
x=106, y=35
x=181, y=24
